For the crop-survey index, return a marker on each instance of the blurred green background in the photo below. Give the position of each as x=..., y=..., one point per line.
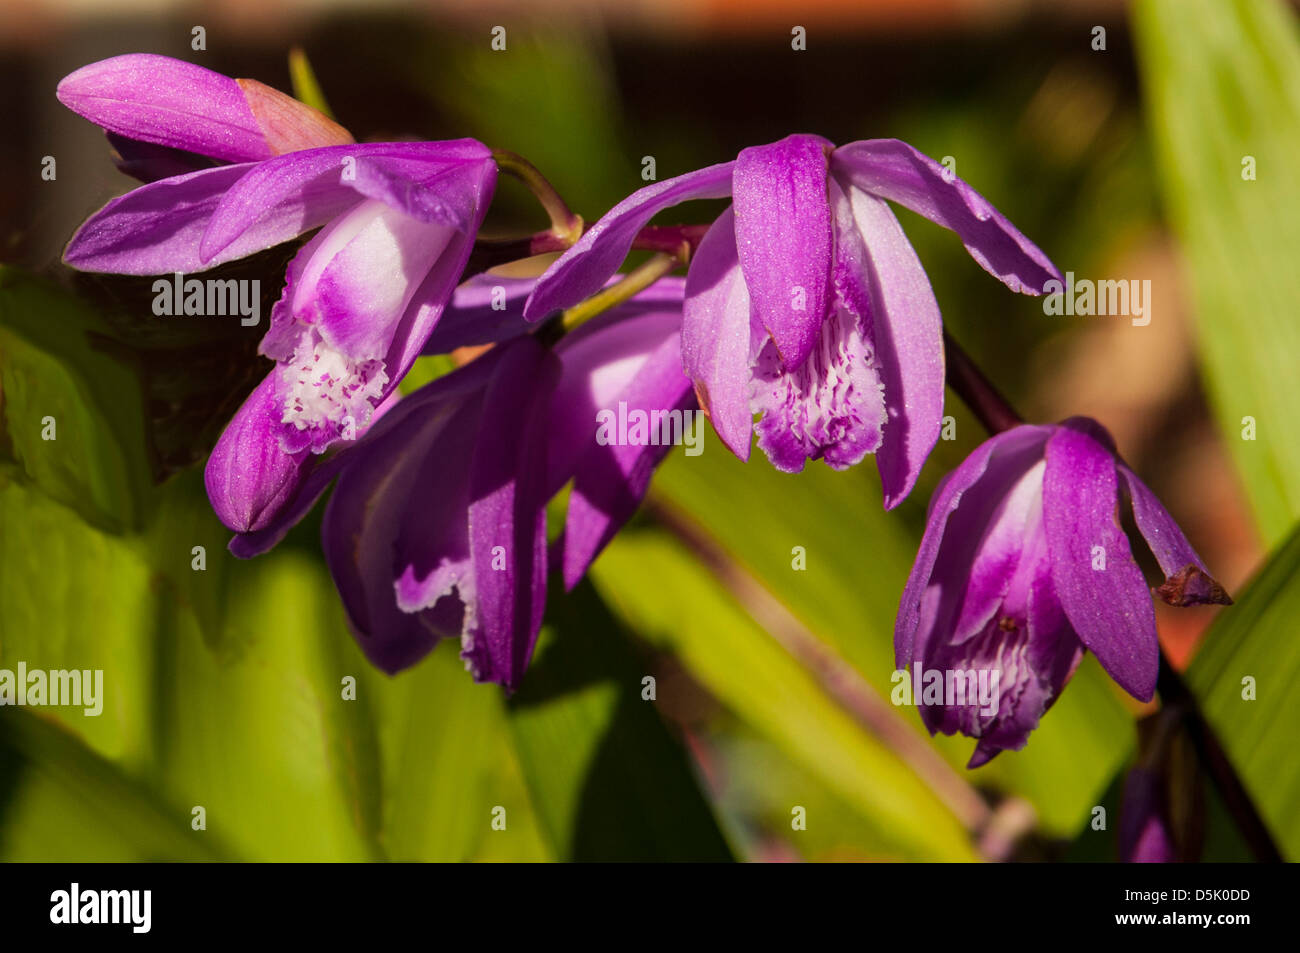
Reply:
x=224, y=687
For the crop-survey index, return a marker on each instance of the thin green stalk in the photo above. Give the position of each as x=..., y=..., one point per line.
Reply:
x=305, y=87
x=636, y=281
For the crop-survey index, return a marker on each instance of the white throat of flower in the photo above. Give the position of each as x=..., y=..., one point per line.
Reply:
x=326, y=390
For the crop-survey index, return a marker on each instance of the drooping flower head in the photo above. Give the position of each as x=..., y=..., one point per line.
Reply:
x=436, y=527
x=397, y=223
x=805, y=302
x=1024, y=565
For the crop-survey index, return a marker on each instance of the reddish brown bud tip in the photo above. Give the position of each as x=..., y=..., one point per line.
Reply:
x=287, y=124
x=1191, y=586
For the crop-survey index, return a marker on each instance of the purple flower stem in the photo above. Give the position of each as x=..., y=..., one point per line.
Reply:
x=996, y=414
x=976, y=391
x=678, y=240
x=490, y=252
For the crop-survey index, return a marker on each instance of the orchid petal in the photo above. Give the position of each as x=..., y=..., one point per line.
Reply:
x=584, y=268
x=631, y=367
x=155, y=229
x=169, y=103
x=784, y=241
x=344, y=346
x=1000, y=554
x=442, y=182
x=148, y=162
x=891, y=169
x=1100, y=586
x=1036, y=671
x=428, y=304
x=248, y=476
x=377, y=497
x=364, y=514
x=287, y=124
x=507, y=513
x=193, y=222
x=359, y=273
x=829, y=408
x=262, y=539
x=472, y=317
x=959, y=510
x=1188, y=582
x=318, y=474
x=433, y=545
x=877, y=268
x=716, y=336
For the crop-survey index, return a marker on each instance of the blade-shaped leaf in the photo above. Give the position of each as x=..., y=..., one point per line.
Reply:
x=1222, y=82
x=449, y=763
x=76, y=598
x=609, y=781
x=683, y=610
x=73, y=414
x=64, y=802
x=1244, y=676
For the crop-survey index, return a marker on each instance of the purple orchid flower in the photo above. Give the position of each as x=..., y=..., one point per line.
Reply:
x=361, y=297
x=436, y=527
x=1024, y=565
x=806, y=304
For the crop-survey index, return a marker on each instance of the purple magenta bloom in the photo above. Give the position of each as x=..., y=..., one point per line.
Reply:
x=361, y=297
x=805, y=302
x=437, y=524
x=1023, y=566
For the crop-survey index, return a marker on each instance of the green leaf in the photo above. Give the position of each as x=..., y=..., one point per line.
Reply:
x=66, y=803
x=59, y=380
x=184, y=534
x=262, y=734
x=609, y=781
x=1256, y=721
x=240, y=711
x=1222, y=81
x=651, y=581
x=449, y=761
x=568, y=124
x=72, y=597
x=761, y=788
x=426, y=370
x=223, y=679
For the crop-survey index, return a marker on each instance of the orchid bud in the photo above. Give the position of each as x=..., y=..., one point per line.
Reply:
x=248, y=476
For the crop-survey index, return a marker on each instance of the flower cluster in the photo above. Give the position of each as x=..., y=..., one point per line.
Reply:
x=805, y=321
x=396, y=221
